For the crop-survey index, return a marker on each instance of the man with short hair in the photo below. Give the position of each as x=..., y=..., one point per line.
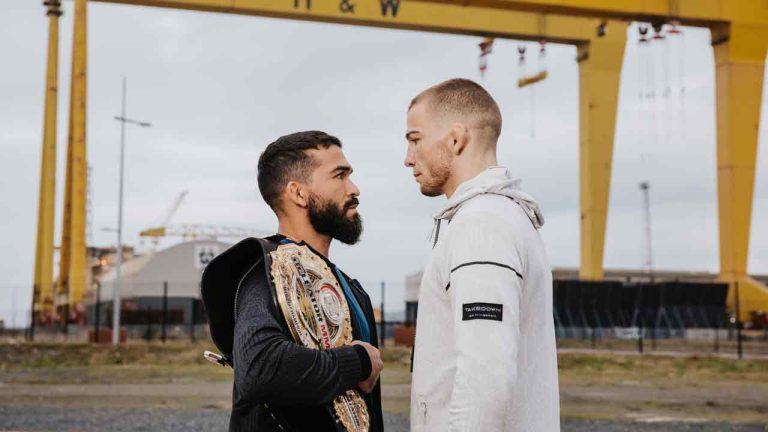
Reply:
x=299, y=333
x=484, y=356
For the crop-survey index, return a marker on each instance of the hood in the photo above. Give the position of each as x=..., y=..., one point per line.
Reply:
x=497, y=181
x=219, y=284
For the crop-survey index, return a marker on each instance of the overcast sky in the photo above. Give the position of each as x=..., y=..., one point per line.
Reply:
x=218, y=88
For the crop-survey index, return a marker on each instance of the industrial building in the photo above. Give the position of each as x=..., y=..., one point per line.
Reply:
x=159, y=286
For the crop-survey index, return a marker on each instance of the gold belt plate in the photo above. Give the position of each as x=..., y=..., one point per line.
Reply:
x=316, y=310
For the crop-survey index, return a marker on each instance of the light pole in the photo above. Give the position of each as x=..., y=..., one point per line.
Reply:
x=116, y=297
x=645, y=187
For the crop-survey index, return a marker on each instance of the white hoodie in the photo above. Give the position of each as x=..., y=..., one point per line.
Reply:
x=485, y=357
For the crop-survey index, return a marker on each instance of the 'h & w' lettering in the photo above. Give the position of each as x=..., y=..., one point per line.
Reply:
x=387, y=5
x=307, y=3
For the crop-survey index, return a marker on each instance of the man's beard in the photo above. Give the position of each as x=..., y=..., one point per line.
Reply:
x=326, y=218
x=438, y=172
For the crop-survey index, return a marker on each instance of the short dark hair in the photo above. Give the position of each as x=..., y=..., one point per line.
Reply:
x=464, y=98
x=287, y=160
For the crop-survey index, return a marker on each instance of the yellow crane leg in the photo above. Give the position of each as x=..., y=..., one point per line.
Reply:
x=740, y=64
x=60, y=298
x=72, y=276
x=42, y=307
x=599, y=74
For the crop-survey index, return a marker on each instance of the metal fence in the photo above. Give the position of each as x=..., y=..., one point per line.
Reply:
x=158, y=310
x=675, y=316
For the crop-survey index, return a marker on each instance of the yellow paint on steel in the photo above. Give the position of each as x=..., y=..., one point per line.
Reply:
x=43, y=281
x=689, y=12
x=739, y=71
x=402, y=14
x=66, y=226
x=73, y=263
x=153, y=232
x=533, y=79
x=599, y=76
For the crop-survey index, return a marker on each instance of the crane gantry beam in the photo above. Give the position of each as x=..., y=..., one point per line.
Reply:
x=699, y=13
x=440, y=17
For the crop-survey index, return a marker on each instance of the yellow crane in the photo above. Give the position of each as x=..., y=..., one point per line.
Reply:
x=198, y=231
x=597, y=28
x=157, y=232
x=194, y=231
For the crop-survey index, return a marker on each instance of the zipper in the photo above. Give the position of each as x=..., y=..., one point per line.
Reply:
x=423, y=412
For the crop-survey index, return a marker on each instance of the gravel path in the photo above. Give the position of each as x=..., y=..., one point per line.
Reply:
x=30, y=418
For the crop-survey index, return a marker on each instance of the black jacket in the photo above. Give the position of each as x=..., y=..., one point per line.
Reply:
x=279, y=384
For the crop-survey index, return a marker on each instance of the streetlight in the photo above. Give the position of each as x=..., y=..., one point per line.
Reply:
x=116, y=298
x=645, y=187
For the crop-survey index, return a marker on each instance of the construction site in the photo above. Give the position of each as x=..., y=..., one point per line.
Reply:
x=117, y=326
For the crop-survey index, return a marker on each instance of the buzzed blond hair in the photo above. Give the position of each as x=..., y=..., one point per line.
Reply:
x=464, y=100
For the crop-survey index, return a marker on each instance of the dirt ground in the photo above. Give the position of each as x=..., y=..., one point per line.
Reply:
x=649, y=389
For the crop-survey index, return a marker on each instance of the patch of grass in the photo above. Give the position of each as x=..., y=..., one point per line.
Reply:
x=149, y=362
x=136, y=362
x=396, y=355
x=615, y=367
x=120, y=374
x=15, y=356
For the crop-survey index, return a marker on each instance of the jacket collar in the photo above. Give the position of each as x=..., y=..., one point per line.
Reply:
x=494, y=180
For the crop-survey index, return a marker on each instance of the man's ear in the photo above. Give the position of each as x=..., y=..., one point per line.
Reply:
x=297, y=194
x=459, y=136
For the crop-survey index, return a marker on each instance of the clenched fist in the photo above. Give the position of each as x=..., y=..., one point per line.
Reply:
x=376, y=366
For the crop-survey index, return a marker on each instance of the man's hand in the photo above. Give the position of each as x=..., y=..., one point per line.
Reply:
x=376, y=366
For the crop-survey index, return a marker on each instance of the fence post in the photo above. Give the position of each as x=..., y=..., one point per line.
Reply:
x=31, y=332
x=148, y=318
x=739, y=348
x=641, y=321
x=383, y=320
x=192, y=321
x=717, y=335
x=97, y=313
x=165, y=309
x=66, y=320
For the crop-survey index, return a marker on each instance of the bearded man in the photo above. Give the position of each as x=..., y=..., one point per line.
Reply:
x=299, y=333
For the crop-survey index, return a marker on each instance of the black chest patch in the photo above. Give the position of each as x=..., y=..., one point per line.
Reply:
x=486, y=311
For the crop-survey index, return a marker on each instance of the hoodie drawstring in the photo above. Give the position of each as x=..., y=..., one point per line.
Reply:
x=437, y=233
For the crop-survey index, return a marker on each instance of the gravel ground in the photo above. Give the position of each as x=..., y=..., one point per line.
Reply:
x=612, y=426
x=28, y=418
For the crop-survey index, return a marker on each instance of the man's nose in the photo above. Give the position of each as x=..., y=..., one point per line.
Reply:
x=354, y=191
x=409, y=162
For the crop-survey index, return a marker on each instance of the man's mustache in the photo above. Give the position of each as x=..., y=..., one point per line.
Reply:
x=352, y=201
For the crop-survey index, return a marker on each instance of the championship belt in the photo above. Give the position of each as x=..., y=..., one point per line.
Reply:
x=316, y=311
